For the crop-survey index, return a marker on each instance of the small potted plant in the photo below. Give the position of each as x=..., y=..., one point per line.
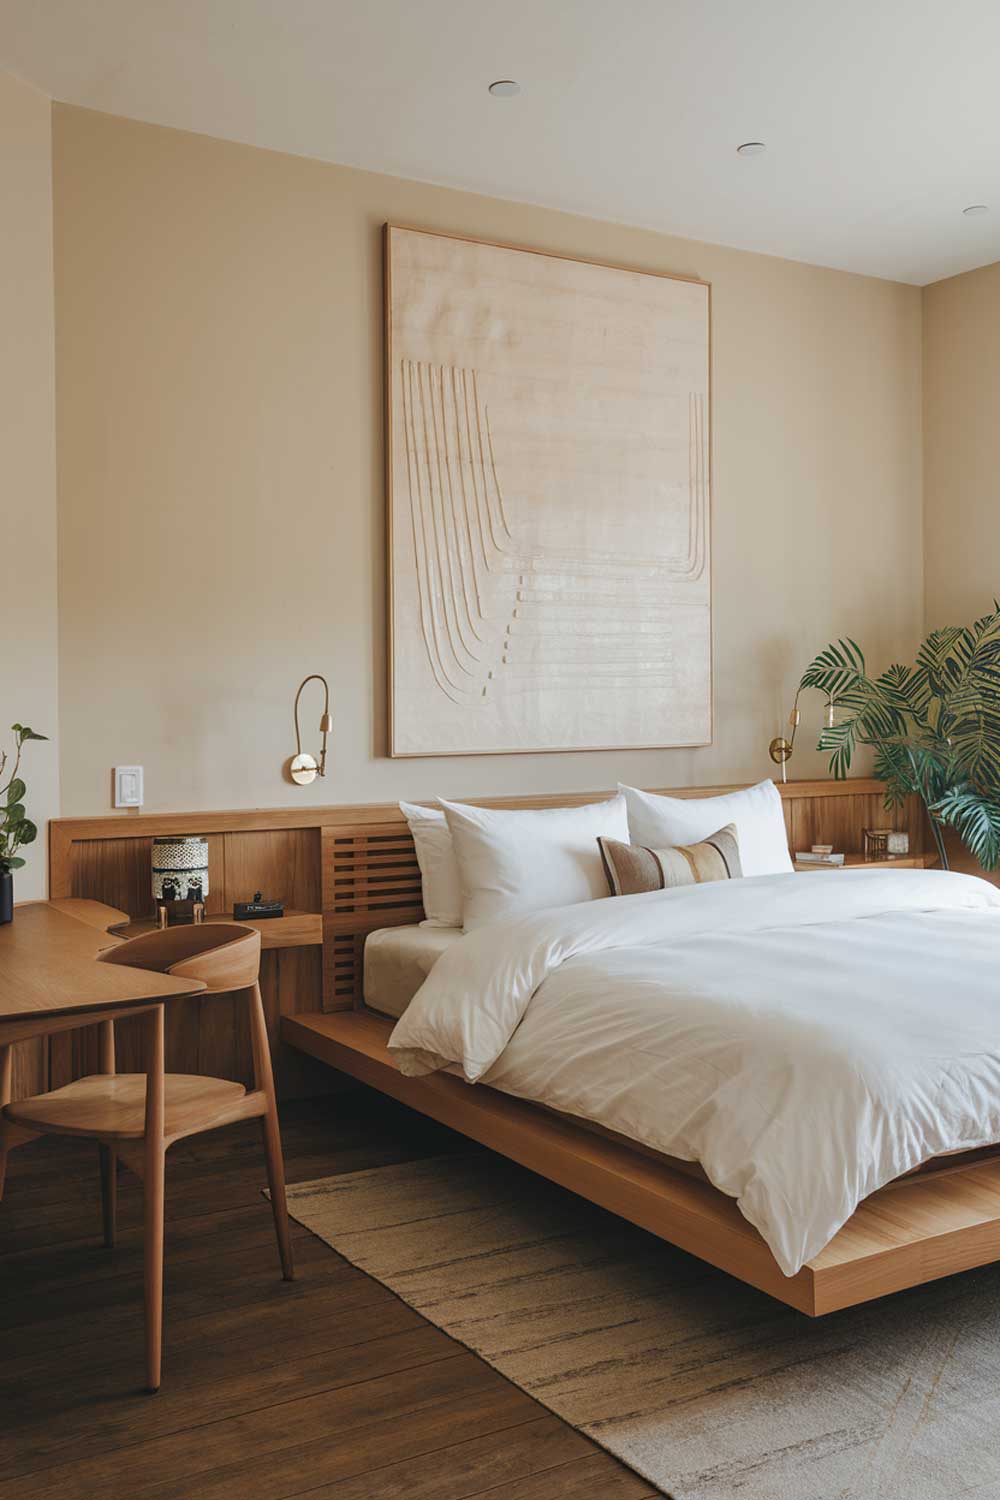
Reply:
x=16, y=828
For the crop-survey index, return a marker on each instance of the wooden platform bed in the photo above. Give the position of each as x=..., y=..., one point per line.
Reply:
x=942, y=1219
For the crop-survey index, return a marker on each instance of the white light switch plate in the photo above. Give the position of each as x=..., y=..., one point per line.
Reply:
x=128, y=786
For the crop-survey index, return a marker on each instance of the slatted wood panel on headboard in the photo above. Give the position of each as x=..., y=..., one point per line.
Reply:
x=370, y=879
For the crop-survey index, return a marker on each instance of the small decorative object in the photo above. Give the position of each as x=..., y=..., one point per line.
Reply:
x=934, y=727
x=899, y=845
x=822, y=849
x=256, y=909
x=16, y=828
x=303, y=767
x=875, y=842
x=180, y=876
x=820, y=859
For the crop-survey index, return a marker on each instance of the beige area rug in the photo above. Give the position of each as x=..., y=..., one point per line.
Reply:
x=709, y=1389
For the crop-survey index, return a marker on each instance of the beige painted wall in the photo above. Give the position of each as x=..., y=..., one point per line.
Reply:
x=221, y=489
x=962, y=446
x=28, y=637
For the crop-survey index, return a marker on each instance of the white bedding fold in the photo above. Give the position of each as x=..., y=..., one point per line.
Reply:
x=806, y=1038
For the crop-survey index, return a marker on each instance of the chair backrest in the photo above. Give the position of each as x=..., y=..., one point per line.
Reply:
x=223, y=955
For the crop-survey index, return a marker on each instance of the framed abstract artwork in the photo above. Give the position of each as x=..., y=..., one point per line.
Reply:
x=549, y=501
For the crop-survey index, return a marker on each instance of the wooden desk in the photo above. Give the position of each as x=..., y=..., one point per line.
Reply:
x=49, y=977
x=50, y=981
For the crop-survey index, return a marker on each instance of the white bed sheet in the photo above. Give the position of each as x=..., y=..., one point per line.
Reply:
x=806, y=1041
x=398, y=960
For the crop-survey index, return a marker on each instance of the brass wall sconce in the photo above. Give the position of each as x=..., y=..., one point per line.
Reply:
x=781, y=747
x=303, y=767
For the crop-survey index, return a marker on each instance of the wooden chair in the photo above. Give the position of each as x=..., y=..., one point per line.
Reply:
x=138, y=1125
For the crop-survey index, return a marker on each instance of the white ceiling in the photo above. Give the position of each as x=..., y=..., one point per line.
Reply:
x=882, y=117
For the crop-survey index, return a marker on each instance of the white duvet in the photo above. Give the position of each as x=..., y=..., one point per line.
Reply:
x=806, y=1038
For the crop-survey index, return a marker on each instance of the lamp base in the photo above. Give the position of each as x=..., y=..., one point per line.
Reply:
x=303, y=768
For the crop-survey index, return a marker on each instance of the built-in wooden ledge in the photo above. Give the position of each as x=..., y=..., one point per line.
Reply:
x=919, y=1228
x=296, y=929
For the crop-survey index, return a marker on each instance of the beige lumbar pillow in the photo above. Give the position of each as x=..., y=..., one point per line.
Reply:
x=632, y=869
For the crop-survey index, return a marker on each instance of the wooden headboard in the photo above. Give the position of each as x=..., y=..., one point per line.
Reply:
x=342, y=872
x=354, y=867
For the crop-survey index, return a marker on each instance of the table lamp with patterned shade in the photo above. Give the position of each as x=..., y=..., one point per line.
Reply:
x=180, y=876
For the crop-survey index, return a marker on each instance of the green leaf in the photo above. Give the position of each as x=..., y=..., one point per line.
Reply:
x=16, y=790
x=12, y=862
x=975, y=819
x=27, y=832
x=29, y=734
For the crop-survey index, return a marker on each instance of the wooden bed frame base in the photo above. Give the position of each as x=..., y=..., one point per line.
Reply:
x=915, y=1230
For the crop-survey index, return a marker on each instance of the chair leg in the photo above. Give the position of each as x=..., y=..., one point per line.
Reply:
x=276, y=1182
x=154, y=1168
x=153, y=1196
x=264, y=1080
x=109, y=1193
x=6, y=1076
x=109, y=1161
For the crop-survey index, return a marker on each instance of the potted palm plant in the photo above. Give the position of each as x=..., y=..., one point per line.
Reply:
x=935, y=727
x=16, y=828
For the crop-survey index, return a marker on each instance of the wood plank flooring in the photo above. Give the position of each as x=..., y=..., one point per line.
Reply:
x=328, y=1385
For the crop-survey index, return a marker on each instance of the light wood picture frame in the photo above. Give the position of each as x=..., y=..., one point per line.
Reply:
x=549, y=501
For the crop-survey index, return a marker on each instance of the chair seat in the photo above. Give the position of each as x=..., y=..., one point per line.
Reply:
x=113, y=1106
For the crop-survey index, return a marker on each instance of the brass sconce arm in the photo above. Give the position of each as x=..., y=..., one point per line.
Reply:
x=304, y=767
x=781, y=747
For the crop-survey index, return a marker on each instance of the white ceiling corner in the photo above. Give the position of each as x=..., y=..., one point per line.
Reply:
x=881, y=117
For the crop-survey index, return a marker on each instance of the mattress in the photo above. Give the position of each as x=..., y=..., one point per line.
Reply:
x=398, y=960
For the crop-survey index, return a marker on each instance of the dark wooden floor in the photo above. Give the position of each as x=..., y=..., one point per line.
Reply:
x=328, y=1385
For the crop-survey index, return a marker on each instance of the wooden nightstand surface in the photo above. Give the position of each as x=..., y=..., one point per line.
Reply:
x=858, y=862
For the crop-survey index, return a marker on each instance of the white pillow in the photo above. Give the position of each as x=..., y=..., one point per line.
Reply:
x=438, y=865
x=512, y=862
x=663, y=822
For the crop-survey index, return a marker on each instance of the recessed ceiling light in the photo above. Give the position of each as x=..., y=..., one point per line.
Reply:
x=751, y=148
x=976, y=208
x=504, y=88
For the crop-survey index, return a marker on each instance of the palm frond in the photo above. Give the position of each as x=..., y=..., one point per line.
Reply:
x=975, y=739
x=963, y=666
x=893, y=767
x=976, y=820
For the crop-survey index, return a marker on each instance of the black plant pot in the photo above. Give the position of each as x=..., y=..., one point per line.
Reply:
x=6, y=896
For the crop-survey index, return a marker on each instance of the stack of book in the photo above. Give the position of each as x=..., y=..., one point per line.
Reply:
x=820, y=854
